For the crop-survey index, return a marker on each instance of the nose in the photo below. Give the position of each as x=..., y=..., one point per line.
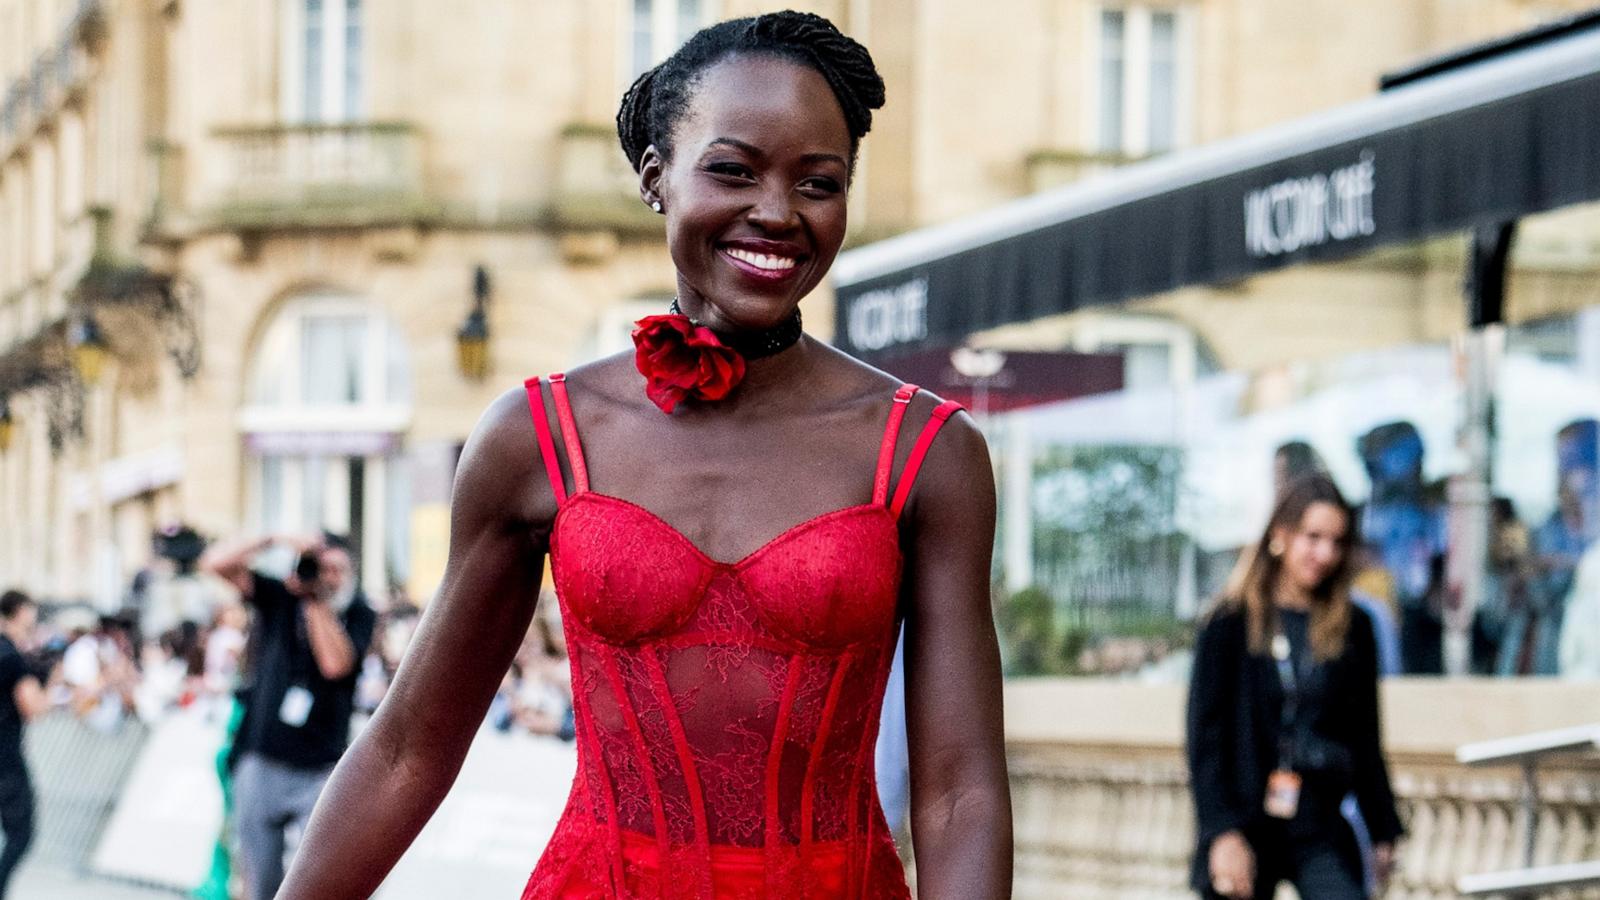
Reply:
x=1328, y=553
x=773, y=210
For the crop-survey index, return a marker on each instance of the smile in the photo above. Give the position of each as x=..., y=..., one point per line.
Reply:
x=764, y=266
x=761, y=260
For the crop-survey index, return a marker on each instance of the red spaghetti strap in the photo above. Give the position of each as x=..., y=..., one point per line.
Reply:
x=920, y=450
x=891, y=432
x=547, y=445
x=569, y=433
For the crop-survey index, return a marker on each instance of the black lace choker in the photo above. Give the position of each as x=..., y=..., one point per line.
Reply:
x=756, y=344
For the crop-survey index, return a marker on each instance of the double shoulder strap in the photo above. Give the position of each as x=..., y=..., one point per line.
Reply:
x=880, y=485
x=569, y=432
x=919, y=450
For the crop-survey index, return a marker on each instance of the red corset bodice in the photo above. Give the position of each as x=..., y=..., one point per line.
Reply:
x=726, y=711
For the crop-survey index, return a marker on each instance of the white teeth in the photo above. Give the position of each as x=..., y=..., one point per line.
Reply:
x=761, y=260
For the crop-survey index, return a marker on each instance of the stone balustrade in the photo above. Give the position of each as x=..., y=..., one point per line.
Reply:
x=1103, y=810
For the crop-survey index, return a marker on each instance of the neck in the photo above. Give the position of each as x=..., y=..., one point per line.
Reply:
x=778, y=372
x=1291, y=596
x=14, y=632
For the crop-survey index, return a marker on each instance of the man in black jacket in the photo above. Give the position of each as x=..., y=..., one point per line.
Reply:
x=24, y=698
x=308, y=637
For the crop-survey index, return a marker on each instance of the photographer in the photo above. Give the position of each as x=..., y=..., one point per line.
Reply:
x=21, y=683
x=311, y=630
x=1283, y=716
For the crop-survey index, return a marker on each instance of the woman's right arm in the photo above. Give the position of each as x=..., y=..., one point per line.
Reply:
x=394, y=776
x=1210, y=735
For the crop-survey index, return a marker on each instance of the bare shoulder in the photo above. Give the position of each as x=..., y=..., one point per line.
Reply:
x=956, y=470
x=608, y=386
x=500, y=475
x=957, y=466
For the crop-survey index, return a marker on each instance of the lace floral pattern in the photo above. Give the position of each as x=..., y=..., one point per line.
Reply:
x=726, y=711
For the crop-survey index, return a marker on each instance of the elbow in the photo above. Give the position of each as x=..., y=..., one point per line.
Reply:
x=336, y=669
x=968, y=796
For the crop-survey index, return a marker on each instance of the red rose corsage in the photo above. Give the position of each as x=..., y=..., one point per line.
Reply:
x=683, y=361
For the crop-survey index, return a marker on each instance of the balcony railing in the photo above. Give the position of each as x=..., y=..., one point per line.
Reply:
x=55, y=76
x=1054, y=167
x=331, y=174
x=595, y=188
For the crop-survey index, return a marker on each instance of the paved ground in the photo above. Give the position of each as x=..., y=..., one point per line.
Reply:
x=34, y=883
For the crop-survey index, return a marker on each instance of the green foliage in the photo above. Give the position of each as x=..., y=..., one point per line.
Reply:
x=1107, y=562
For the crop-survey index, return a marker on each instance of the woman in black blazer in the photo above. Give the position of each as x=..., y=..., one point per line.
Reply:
x=1283, y=715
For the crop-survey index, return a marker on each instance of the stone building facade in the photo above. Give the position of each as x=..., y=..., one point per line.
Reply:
x=275, y=213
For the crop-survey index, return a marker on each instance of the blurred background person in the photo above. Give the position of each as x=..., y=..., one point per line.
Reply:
x=100, y=672
x=312, y=629
x=21, y=684
x=1579, y=649
x=1405, y=521
x=1293, y=462
x=1559, y=544
x=224, y=648
x=1283, y=716
x=1501, y=622
x=542, y=702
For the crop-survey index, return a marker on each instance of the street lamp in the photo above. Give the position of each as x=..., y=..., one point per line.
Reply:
x=472, y=340
x=89, y=349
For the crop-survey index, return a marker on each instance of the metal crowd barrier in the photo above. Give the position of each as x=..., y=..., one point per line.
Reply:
x=78, y=772
x=1527, y=751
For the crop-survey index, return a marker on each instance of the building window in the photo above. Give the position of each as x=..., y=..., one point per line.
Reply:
x=1113, y=44
x=330, y=353
x=1163, y=103
x=322, y=61
x=659, y=28
x=329, y=401
x=1141, y=107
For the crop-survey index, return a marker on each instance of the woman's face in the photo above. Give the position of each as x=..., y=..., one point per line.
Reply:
x=1315, y=549
x=755, y=192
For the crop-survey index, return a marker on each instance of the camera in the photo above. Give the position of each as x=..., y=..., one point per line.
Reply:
x=309, y=568
x=41, y=662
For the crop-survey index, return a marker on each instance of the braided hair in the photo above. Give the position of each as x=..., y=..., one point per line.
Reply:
x=659, y=99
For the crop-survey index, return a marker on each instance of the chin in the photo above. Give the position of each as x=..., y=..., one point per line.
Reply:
x=755, y=312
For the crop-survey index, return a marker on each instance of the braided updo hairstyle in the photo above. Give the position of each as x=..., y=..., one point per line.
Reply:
x=658, y=100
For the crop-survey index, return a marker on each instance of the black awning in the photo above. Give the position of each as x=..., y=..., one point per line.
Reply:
x=1501, y=139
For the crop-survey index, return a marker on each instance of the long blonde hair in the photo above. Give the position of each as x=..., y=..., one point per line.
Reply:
x=1254, y=580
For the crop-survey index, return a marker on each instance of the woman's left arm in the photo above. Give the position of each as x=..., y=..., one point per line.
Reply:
x=960, y=796
x=1373, y=792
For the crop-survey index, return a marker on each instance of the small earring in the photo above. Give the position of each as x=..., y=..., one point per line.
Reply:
x=655, y=205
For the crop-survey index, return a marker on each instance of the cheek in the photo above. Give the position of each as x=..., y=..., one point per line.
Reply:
x=828, y=225
x=1303, y=557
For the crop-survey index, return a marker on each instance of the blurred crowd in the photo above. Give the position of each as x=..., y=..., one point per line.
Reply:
x=1538, y=613
x=182, y=640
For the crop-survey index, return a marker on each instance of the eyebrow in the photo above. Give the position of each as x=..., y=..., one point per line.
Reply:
x=756, y=151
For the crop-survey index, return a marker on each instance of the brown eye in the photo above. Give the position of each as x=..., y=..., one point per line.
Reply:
x=821, y=185
x=731, y=170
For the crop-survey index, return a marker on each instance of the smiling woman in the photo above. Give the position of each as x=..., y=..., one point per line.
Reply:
x=756, y=193
x=757, y=537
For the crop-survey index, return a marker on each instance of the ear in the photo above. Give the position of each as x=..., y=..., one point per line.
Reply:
x=1278, y=542
x=651, y=169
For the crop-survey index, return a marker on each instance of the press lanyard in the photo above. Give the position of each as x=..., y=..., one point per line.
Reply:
x=1291, y=681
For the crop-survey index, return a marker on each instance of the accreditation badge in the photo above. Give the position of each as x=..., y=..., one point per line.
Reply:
x=1283, y=794
x=296, y=706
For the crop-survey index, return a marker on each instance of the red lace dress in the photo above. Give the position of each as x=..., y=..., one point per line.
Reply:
x=726, y=711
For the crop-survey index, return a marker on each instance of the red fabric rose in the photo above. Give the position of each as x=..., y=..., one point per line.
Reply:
x=681, y=360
